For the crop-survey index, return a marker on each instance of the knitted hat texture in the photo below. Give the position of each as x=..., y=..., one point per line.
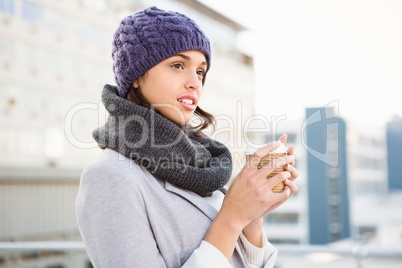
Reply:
x=150, y=36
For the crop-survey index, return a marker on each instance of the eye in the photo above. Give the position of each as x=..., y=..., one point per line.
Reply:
x=201, y=73
x=178, y=66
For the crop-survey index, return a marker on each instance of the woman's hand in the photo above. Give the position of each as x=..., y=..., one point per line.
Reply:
x=250, y=195
x=253, y=231
x=250, y=198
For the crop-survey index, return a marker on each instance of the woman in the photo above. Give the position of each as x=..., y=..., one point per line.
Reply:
x=156, y=195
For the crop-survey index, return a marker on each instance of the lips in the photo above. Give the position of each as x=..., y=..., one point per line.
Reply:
x=188, y=102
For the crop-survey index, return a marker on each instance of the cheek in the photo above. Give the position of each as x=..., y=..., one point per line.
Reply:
x=149, y=89
x=156, y=92
x=199, y=92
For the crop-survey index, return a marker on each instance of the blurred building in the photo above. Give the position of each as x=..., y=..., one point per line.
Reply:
x=368, y=178
x=367, y=161
x=394, y=147
x=55, y=57
x=376, y=209
x=328, y=199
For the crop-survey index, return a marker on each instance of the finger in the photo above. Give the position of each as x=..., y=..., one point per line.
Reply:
x=283, y=138
x=291, y=151
x=278, y=198
x=294, y=172
x=275, y=180
x=256, y=157
x=276, y=163
x=292, y=186
x=284, y=195
x=268, y=184
x=287, y=192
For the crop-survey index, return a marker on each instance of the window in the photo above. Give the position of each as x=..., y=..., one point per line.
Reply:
x=7, y=6
x=7, y=51
x=332, y=172
x=284, y=241
x=335, y=214
x=333, y=186
x=287, y=218
x=367, y=233
x=31, y=11
x=335, y=237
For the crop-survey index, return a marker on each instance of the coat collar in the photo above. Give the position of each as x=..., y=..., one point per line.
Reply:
x=195, y=199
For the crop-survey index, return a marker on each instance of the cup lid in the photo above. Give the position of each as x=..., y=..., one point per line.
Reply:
x=280, y=149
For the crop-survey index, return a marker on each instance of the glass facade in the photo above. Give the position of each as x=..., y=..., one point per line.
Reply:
x=328, y=199
x=394, y=150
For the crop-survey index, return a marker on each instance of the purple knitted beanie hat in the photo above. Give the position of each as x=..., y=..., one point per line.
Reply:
x=150, y=36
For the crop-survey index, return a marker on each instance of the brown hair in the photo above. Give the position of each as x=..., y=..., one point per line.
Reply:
x=134, y=95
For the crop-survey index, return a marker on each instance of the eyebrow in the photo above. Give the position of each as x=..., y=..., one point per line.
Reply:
x=188, y=58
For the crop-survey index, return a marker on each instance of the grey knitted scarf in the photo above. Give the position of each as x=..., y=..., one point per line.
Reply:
x=201, y=165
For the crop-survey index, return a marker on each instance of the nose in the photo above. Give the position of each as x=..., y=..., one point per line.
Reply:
x=193, y=81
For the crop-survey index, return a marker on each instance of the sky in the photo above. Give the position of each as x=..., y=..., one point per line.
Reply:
x=314, y=53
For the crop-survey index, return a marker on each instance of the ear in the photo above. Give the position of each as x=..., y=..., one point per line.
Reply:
x=136, y=84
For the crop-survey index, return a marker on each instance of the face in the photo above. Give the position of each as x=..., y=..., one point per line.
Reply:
x=173, y=87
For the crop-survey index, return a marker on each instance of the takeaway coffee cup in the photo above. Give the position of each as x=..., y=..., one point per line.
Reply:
x=281, y=151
